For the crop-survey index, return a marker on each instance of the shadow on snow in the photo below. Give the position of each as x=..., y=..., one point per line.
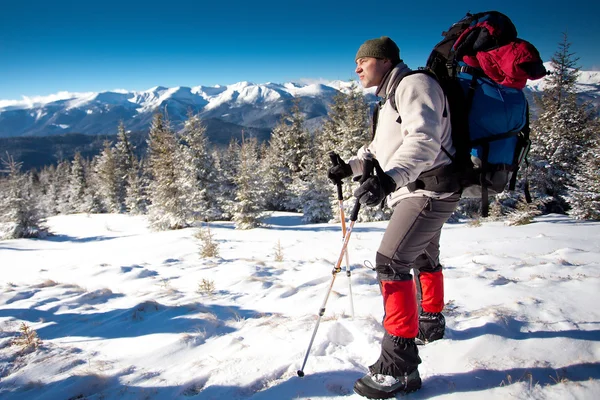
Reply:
x=335, y=383
x=144, y=319
x=511, y=328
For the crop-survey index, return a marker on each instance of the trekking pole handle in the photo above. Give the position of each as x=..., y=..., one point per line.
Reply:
x=367, y=172
x=335, y=161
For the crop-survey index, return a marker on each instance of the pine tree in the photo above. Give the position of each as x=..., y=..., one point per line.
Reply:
x=135, y=197
x=198, y=168
x=249, y=196
x=93, y=199
x=19, y=214
x=107, y=175
x=58, y=188
x=226, y=166
x=287, y=162
x=168, y=209
x=560, y=132
x=45, y=202
x=126, y=162
x=316, y=198
x=585, y=199
x=346, y=128
x=345, y=131
x=77, y=185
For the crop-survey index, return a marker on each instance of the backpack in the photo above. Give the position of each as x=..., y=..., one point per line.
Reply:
x=482, y=68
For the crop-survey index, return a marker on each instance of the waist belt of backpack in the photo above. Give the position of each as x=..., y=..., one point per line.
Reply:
x=441, y=179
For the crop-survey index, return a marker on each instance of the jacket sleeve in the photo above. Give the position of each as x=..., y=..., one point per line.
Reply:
x=356, y=162
x=420, y=102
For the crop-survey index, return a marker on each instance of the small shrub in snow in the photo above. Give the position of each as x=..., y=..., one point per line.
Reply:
x=46, y=283
x=524, y=213
x=206, y=286
x=474, y=223
x=208, y=246
x=10, y=287
x=28, y=338
x=278, y=252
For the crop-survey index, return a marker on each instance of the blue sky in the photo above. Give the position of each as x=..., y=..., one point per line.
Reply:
x=79, y=46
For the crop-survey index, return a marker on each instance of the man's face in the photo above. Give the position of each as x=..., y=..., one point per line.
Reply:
x=371, y=70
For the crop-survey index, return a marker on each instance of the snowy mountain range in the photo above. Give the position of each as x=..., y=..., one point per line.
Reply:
x=243, y=104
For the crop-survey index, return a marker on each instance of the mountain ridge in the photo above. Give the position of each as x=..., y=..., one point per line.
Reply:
x=243, y=103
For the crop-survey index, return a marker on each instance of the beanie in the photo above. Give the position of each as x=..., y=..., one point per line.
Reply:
x=383, y=47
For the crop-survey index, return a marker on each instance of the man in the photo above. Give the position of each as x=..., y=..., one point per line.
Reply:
x=411, y=142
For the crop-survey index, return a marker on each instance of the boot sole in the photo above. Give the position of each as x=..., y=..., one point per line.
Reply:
x=371, y=393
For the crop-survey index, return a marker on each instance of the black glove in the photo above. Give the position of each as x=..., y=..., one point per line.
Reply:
x=339, y=171
x=375, y=188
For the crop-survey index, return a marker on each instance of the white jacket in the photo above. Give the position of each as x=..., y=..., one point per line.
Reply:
x=407, y=148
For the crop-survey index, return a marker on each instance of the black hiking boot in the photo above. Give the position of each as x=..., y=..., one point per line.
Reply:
x=431, y=327
x=378, y=386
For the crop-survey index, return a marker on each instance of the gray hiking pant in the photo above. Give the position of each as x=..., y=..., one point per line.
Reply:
x=412, y=237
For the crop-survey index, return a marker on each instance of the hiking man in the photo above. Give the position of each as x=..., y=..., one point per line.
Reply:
x=412, y=136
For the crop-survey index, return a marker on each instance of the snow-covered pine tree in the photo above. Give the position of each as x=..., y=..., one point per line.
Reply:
x=249, y=196
x=135, y=197
x=287, y=162
x=126, y=162
x=107, y=178
x=315, y=197
x=93, y=199
x=19, y=213
x=278, y=176
x=77, y=185
x=345, y=131
x=58, y=188
x=198, y=169
x=315, y=189
x=585, y=198
x=168, y=208
x=226, y=166
x=46, y=204
x=560, y=131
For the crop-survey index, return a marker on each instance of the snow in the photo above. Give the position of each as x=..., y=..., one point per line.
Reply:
x=587, y=81
x=121, y=315
x=209, y=97
x=39, y=101
x=39, y=114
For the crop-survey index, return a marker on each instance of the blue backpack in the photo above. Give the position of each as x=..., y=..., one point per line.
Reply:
x=482, y=66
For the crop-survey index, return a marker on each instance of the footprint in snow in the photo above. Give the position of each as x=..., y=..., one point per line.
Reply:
x=501, y=280
x=147, y=273
x=130, y=268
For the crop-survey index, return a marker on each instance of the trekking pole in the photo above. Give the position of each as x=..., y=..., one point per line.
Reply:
x=367, y=169
x=335, y=160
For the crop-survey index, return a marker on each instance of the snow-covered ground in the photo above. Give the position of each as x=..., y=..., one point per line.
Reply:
x=126, y=313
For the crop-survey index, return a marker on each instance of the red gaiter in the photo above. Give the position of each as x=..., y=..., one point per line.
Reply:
x=400, y=305
x=432, y=291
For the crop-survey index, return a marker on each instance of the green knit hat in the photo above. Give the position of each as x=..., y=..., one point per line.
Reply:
x=383, y=47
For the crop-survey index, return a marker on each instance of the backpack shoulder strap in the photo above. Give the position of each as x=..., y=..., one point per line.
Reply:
x=392, y=95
